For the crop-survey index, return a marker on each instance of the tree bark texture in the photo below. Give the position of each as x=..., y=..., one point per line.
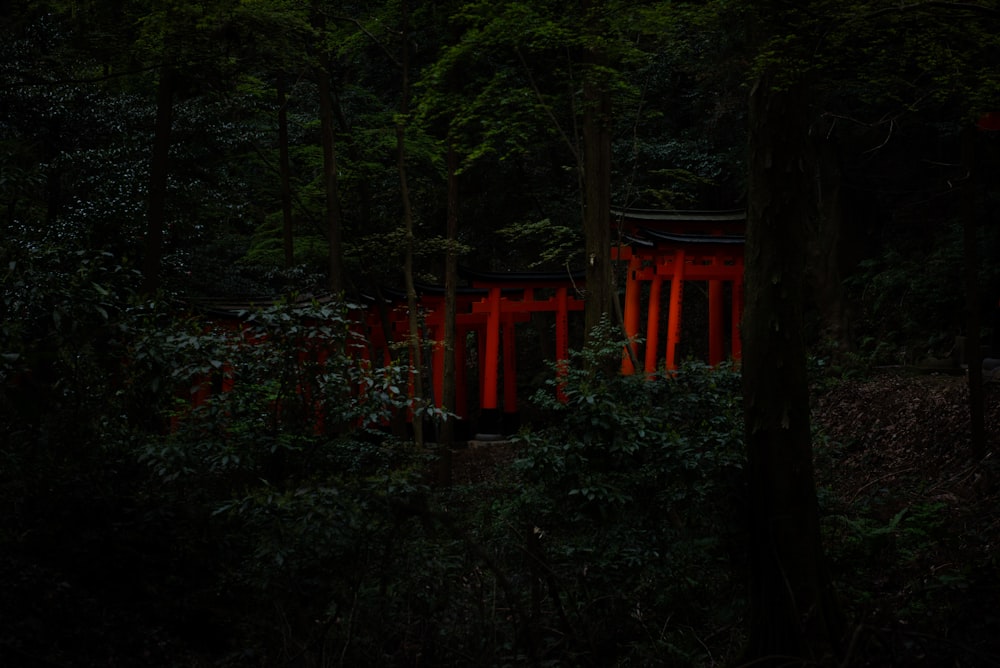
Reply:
x=970, y=243
x=287, y=230
x=449, y=390
x=416, y=358
x=793, y=616
x=330, y=183
x=597, y=202
x=826, y=246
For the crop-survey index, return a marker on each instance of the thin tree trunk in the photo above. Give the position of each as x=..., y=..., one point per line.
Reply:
x=285, y=175
x=793, y=615
x=330, y=183
x=416, y=360
x=364, y=190
x=449, y=390
x=973, y=355
x=597, y=202
x=158, y=175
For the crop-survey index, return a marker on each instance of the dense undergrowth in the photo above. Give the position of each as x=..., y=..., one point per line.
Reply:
x=280, y=522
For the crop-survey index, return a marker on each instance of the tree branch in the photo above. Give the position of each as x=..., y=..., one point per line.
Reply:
x=988, y=12
x=548, y=110
x=357, y=23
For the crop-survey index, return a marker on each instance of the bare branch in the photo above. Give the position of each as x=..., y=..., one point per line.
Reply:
x=988, y=12
x=360, y=26
x=548, y=110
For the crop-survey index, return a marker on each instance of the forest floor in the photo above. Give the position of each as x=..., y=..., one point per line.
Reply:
x=911, y=520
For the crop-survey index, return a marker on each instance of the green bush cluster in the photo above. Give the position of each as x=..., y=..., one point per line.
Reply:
x=911, y=301
x=634, y=491
x=278, y=521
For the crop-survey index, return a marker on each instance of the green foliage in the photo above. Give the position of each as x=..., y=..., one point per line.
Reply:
x=64, y=322
x=294, y=373
x=556, y=245
x=287, y=461
x=865, y=549
x=911, y=297
x=266, y=246
x=634, y=487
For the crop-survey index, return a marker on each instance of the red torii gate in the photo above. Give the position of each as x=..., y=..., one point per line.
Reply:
x=510, y=295
x=675, y=246
x=490, y=307
x=659, y=246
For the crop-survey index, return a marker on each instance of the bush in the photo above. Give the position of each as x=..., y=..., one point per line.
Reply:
x=631, y=496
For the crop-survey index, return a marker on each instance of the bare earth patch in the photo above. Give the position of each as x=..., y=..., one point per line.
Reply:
x=915, y=521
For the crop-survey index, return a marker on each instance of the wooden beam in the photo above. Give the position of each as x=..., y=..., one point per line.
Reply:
x=633, y=288
x=490, y=359
x=562, y=337
x=674, y=315
x=653, y=325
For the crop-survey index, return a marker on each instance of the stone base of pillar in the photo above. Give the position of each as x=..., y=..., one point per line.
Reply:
x=489, y=427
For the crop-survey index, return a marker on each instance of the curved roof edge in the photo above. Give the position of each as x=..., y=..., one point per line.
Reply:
x=520, y=276
x=679, y=215
x=725, y=239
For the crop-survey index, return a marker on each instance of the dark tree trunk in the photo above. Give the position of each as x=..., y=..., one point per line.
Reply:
x=330, y=183
x=826, y=248
x=449, y=391
x=285, y=175
x=597, y=202
x=973, y=355
x=158, y=175
x=793, y=615
x=416, y=358
x=364, y=190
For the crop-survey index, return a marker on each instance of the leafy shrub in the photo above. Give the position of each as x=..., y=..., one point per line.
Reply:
x=912, y=299
x=287, y=462
x=633, y=492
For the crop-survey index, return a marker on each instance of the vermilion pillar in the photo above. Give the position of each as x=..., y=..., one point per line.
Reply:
x=653, y=325
x=674, y=316
x=480, y=364
x=631, y=316
x=491, y=354
x=437, y=366
x=562, y=336
x=509, y=368
x=489, y=372
x=716, y=351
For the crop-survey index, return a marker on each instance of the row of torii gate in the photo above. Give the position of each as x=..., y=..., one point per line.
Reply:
x=662, y=249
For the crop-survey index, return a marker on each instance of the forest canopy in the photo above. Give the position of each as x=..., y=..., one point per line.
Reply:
x=193, y=194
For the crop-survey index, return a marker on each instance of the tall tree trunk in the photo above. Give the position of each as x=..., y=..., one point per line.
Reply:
x=330, y=183
x=413, y=308
x=285, y=174
x=825, y=247
x=596, y=164
x=793, y=615
x=364, y=190
x=449, y=390
x=158, y=174
x=970, y=239
x=416, y=360
x=597, y=201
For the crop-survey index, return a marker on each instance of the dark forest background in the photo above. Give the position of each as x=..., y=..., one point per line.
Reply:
x=159, y=158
